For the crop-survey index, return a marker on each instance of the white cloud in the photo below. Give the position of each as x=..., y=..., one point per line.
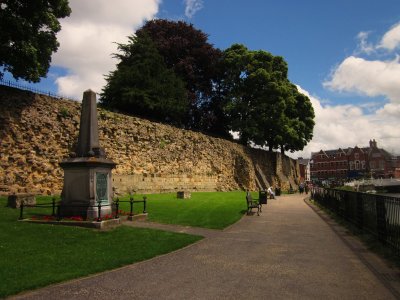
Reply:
x=192, y=7
x=88, y=39
x=391, y=39
x=364, y=46
x=370, y=78
x=346, y=126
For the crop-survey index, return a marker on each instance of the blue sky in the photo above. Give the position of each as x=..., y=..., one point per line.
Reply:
x=343, y=54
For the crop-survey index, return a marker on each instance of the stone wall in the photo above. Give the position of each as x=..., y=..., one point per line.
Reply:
x=37, y=132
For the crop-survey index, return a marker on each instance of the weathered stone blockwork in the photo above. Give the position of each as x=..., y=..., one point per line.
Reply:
x=37, y=132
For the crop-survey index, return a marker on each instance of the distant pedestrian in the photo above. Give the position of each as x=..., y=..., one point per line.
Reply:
x=301, y=188
x=306, y=189
x=271, y=193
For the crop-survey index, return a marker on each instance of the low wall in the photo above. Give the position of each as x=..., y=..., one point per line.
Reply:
x=164, y=183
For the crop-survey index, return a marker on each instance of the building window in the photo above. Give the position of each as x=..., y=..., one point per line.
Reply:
x=357, y=165
x=356, y=156
x=351, y=165
x=363, y=165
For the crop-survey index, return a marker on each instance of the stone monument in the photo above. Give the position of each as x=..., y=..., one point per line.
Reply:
x=87, y=173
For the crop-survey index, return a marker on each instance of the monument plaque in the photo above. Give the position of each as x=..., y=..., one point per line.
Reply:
x=101, y=187
x=87, y=173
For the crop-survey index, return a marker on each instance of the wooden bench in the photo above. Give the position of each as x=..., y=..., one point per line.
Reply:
x=252, y=204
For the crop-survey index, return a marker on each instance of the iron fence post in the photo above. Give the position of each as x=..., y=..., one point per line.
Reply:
x=117, y=209
x=144, y=204
x=54, y=207
x=131, y=202
x=21, y=212
x=99, y=211
x=346, y=201
x=360, y=211
x=381, y=219
x=59, y=212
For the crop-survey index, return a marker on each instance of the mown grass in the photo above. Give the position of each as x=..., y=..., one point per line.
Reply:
x=36, y=255
x=213, y=210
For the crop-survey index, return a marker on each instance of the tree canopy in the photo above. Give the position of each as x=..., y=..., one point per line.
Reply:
x=262, y=105
x=28, y=36
x=143, y=85
x=187, y=52
x=168, y=71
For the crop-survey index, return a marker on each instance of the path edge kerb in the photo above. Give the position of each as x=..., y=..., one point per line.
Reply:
x=376, y=264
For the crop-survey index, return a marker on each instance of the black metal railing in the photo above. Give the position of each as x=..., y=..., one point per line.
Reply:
x=28, y=88
x=378, y=215
x=58, y=208
x=131, y=201
x=41, y=205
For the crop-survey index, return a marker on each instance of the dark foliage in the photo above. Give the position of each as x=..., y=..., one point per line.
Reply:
x=144, y=86
x=170, y=72
x=187, y=51
x=28, y=36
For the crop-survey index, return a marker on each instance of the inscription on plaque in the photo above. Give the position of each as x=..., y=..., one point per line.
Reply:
x=101, y=187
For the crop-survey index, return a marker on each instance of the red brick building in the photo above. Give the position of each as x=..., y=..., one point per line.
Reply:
x=397, y=168
x=344, y=164
x=304, y=167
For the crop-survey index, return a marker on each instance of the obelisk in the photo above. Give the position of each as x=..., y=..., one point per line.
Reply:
x=87, y=173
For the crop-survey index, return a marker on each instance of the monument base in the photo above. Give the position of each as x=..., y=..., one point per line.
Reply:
x=106, y=224
x=87, y=181
x=72, y=209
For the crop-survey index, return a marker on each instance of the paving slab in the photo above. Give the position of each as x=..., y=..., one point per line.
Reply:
x=288, y=252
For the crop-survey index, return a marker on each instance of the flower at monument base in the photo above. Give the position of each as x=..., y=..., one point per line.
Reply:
x=75, y=218
x=107, y=217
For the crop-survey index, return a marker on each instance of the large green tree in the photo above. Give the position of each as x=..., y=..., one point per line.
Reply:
x=262, y=105
x=253, y=88
x=28, y=31
x=143, y=85
x=186, y=50
x=299, y=124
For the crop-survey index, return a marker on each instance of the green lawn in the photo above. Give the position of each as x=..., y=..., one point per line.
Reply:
x=214, y=210
x=36, y=255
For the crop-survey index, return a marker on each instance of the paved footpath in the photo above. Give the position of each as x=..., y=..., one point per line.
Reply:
x=289, y=252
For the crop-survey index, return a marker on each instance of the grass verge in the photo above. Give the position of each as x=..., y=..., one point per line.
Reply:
x=35, y=255
x=215, y=210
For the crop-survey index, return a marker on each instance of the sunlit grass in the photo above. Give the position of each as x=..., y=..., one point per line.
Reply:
x=214, y=210
x=36, y=255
